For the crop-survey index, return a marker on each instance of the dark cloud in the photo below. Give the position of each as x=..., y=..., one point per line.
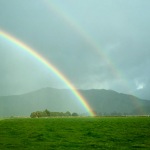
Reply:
x=74, y=36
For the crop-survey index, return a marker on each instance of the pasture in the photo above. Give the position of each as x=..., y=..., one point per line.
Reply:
x=75, y=133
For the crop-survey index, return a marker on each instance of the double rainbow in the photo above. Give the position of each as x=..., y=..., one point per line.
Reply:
x=77, y=26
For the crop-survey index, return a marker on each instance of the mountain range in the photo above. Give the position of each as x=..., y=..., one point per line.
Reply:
x=103, y=102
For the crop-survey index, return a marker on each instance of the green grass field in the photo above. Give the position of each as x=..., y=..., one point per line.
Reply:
x=75, y=133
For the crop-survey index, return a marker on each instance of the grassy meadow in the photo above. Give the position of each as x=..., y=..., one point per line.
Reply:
x=75, y=133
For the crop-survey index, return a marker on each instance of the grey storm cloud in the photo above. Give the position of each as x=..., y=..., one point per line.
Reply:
x=60, y=31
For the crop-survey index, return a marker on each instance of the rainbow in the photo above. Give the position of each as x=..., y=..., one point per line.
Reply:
x=46, y=63
x=75, y=25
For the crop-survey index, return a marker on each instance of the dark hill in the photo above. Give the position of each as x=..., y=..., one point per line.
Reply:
x=108, y=101
x=102, y=101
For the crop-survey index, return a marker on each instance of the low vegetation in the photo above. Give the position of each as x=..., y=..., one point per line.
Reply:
x=47, y=113
x=75, y=133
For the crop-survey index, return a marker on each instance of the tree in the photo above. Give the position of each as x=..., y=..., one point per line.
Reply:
x=33, y=115
x=75, y=114
x=39, y=114
x=47, y=112
x=67, y=113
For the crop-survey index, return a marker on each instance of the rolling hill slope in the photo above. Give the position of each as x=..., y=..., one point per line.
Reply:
x=101, y=101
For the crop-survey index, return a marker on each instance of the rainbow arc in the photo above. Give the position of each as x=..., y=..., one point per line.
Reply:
x=50, y=66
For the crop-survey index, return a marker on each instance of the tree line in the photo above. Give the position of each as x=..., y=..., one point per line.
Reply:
x=47, y=113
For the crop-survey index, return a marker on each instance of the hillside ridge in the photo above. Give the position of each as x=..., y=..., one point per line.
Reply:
x=100, y=100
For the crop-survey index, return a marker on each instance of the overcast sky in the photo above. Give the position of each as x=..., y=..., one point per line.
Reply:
x=100, y=44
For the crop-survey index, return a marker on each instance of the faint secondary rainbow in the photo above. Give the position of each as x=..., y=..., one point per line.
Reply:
x=88, y=39
x=74, y=24
x=32, y=52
